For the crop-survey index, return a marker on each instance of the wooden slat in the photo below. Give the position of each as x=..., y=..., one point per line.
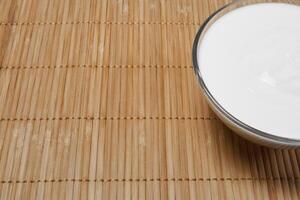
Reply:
x=90, y=11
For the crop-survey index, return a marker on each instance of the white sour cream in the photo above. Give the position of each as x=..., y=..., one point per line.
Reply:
x=249, y=60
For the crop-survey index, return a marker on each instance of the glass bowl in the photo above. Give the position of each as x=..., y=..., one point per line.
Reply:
x=246, y=131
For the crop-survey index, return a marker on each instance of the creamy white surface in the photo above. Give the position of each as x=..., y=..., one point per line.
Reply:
x=250, y=62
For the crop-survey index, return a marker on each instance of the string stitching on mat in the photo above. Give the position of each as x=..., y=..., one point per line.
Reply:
x=107, y=118
x=153, y=179
x=95, y=22
x=94, y=66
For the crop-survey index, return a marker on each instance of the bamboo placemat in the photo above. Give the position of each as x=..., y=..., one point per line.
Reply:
x=98, y=100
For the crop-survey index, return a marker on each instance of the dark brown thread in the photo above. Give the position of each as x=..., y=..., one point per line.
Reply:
x=94, y=22
x=107, y=118
x=93, y=66
x=155, y=179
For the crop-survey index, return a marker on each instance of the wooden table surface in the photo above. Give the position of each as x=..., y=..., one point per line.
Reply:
x=98, y=100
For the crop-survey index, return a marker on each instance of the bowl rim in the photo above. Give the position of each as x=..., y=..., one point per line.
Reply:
x=201, y=31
